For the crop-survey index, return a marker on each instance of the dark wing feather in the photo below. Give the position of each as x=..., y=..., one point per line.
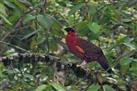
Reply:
x=93, y=52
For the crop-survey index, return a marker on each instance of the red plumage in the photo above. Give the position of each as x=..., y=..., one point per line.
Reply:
x=85, y=50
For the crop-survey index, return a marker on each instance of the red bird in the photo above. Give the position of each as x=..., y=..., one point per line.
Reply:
x=85, y=50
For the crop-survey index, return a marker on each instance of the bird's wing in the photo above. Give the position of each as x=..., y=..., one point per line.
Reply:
x=93, y=52
x=81, y=50
x=89, y=48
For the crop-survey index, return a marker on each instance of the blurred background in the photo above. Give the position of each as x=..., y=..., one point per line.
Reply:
x=37, y=26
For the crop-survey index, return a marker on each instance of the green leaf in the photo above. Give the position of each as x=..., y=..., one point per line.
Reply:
x=126, y=20
x=58, y=86
x=10, y=52
x=134, y=26
x=56, y=24
x=94, y=87
x=45, y=20
x=29, y=76
x=9, y=4
x=28, y=18
x=76, y=8
x=82, y=28
x=5, y=19
x=121, y=37
x=108, y=88
x=1, y=70
x=3, y=9
x=94, y=27
x=125, y=61
x=81, y=25
x=134, y=66
x=92, y=9
x=62, y=3
x=130, y=45
x=53, y=45
x=26, y=2
x=19, y=5
x=41, y=88
x=31, y=34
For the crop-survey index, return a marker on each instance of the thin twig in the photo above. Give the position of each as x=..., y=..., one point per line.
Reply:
x=15, y=46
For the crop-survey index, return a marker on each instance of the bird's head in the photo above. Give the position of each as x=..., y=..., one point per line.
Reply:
x=69, y=30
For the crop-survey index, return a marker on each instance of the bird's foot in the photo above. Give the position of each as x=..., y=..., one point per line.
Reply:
x=83, y=65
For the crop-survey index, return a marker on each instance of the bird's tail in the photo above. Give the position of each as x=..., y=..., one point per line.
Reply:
x=104, y=63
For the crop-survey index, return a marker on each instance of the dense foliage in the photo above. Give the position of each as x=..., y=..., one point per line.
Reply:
x=37, y=26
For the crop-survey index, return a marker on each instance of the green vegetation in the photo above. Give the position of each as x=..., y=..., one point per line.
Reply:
x=37, y=26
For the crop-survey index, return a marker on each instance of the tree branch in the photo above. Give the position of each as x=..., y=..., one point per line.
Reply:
x=78, y=71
